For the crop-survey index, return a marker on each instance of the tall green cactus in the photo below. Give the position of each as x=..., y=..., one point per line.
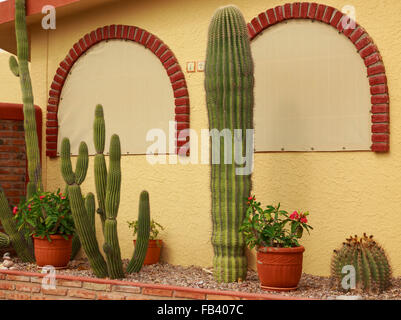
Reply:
x=99, y=138
x=20, y=69
x=229, y=85
x=372, y=269
x=111, y=246
x=141, y=247
x=84, y=223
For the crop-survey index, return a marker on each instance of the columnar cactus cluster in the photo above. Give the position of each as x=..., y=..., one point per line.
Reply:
x=108, y=193
x=229, y=85
x=372, y=269
x=20, y=69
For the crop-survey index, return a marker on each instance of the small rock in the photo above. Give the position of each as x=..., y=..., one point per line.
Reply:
x=8, y=263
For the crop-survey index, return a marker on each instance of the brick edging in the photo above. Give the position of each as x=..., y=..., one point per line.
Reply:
x=140, y=36
x=365, y=46
x=146, y=289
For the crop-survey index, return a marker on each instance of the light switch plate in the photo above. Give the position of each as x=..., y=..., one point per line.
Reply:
x=191, y=66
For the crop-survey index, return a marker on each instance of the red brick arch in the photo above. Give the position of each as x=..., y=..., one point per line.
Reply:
x=364, y=45
x=131, y=33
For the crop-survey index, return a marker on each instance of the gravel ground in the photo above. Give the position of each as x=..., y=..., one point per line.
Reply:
x=196, y=277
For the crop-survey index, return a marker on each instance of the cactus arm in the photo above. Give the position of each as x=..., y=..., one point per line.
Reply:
x=17, y=240
x=82, y=164
x=138, y=257
x=99, y=137
x=31, y=137
x=90, y=209
x=229, y=97
x=111, y=246
x=66, y=165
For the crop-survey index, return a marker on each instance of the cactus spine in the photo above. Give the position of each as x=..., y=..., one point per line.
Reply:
x=141, y=247
x=83, y=221
x=229, y=93
x=372, y=269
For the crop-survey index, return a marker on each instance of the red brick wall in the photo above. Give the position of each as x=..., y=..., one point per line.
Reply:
x=12, y=159
x=19, y=285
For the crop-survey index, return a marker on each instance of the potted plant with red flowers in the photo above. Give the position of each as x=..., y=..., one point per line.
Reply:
x=154, y=245
x=275, y=234
x=47, y=218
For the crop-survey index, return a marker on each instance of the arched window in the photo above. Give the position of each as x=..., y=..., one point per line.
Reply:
x=138, y=90
x=312, y=90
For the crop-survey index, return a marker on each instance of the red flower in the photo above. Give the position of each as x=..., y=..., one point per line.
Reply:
x=294, y=216
x=41, y=197
x=250, y=198
x=304, y=220
x=15, y=210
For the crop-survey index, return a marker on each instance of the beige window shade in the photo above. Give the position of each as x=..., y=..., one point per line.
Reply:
x=311, y=90
x=131, y=84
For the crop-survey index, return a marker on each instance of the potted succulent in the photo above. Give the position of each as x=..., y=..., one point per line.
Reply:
x=155, y=245
x=47, y=218
x=275, y=235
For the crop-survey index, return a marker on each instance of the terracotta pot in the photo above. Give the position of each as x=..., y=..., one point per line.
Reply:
x=56, y=253
x=279, y=269
x=153, y=253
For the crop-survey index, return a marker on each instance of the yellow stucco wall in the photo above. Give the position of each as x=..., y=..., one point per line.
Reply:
x=346, y=193
x=9, y=84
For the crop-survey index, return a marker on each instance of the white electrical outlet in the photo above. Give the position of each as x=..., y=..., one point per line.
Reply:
x=201, y=66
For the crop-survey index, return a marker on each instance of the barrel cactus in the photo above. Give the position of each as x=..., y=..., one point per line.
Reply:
x=372, y=268
x=229, y=83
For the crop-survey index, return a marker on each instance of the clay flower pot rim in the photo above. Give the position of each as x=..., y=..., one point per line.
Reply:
x=52, y=236
x=281, y=250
